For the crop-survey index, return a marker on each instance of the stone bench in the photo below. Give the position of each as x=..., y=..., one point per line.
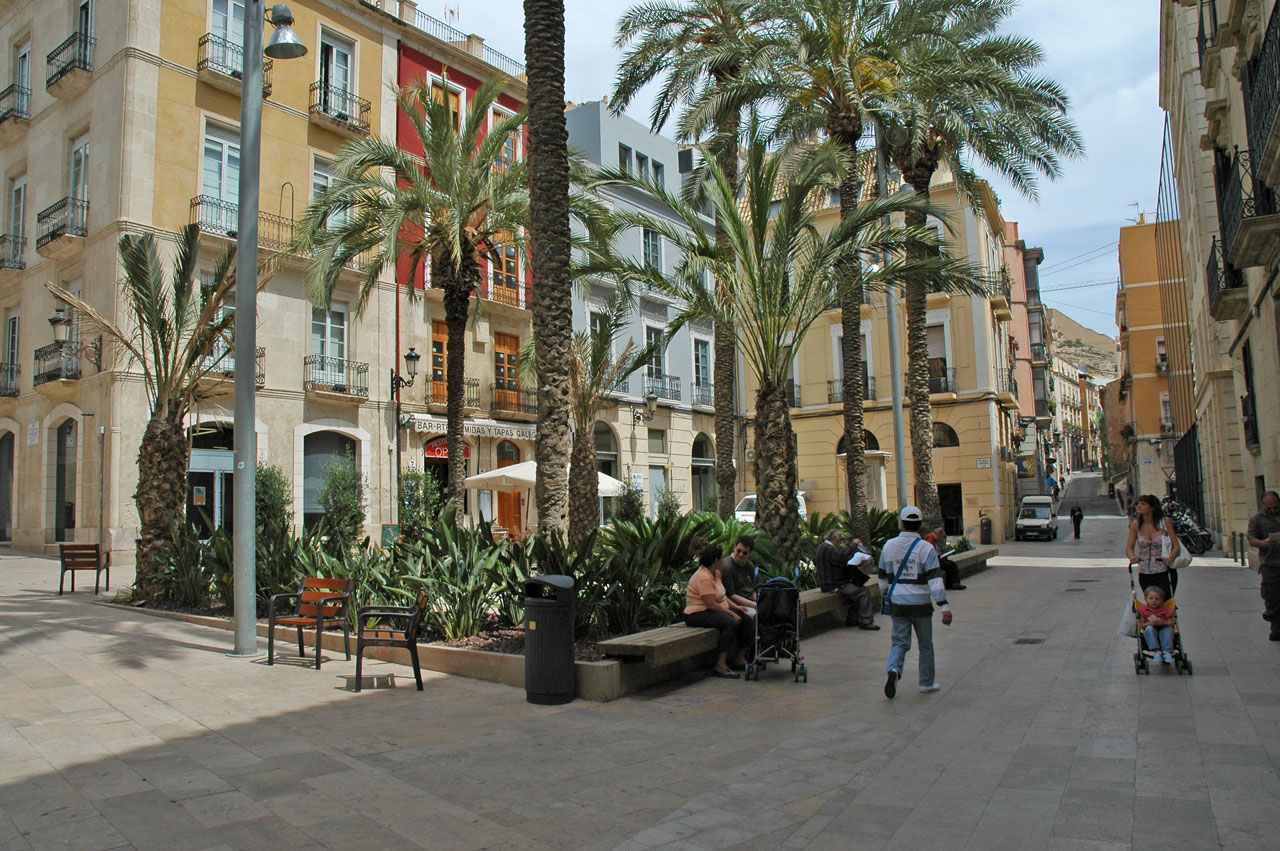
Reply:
x=975, y=560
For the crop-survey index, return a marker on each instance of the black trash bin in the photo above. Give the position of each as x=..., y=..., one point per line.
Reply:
x=549, y=676
x=985, y=526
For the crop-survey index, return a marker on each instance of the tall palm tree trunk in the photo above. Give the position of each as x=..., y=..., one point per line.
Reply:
x=549, y=229
x=457, y=302
x=725, y=344
x=846, y=130
x=926, y=490
x=777, y=511
x=584, y=487
x=162, y=490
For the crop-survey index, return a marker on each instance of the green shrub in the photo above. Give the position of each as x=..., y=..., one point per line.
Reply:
x=273, y=499
x=668, y=505
x=184, y=580
x=628, y=506
x=457, y=566
x=963, y=545
x=342, y=498
x=420, y=500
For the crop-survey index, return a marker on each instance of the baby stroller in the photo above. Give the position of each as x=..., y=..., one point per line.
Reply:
x=777, y=628
x=1141, y=659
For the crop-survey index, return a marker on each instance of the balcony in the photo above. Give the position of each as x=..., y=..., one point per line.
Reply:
x=438, y=393
x=1228, y=296
x=335, y=378
x=56, y=362
x=509, y=399
x=1166, y=428
x=1247, y=212
x=221, y=64
x=835, y=390
x=62, y=228
x=1249, y=420
x=1007, y=388
x=1207, y=42
x=1261, y=83
x=704, y=394
x=1039, y=353
x=942, y=379
x=340, y=110
x=69, y=66
x=15, y=112
x=499, y=293
x=12, y=256
x=8, y=380
x=1162, y=366
x=663, y=386
x=793, y=395
x=220, y=366
x=1002, y=296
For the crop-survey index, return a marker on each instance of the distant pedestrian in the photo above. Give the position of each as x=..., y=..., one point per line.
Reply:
x=1264, y=533
x=1077, y=517
x=909, y=577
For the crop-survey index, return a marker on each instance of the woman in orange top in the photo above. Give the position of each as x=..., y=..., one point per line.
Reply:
x=707, y=606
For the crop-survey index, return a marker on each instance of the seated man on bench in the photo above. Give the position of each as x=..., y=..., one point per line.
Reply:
x=838, y=570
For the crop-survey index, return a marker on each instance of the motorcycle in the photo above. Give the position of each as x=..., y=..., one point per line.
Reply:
x=1193, y=536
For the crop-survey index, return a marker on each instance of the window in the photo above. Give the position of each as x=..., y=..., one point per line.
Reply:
x=624, y=158
x=79, y=189
x=329, y=339
x=84, y=17
x=657, y=441
x=1162, y=355
x=11, y=340
x=322, y=178
x=701, y=362
x=653, y=249
x=504, y=262
x=657, y=364
x=944, y=436
x=22, y=76
x=642, y=165
x=659, y=174
x=937, y=353
x=443, y=93
x=337, y=84
x=226, y=21
x=18, y=212
x=510, y=153
x=506, y=384
x=76, y=288
x=439, y=338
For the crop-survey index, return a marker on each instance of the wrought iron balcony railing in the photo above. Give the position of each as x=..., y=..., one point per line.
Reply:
x=335, y=375
x=54, y=362
x=74, y=54
x=15, y=103
x=68, y=217
x=1219, y=275
x=221, y=363
x=793, y=395
x=216, y=216
x=220, y=56
x=1260, y=79
x=1207, y=33
x=438, y=393
x=663, y=386
x=704, y=394
x=1249, y=419
x=12, y=249
x=513, y=400
x=444, y=32
x=1006, y=383
x=836, y=388
x=510, y=296
x=8, y=379
x=340, y=105
x=943, y=380
x=1241, y=196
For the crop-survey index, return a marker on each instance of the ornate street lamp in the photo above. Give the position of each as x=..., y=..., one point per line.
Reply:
x=650, y=408
x=92, y=351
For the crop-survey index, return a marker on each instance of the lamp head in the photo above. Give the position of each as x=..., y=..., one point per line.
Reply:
x=60, y=324
x=411, y=359
x=284, y=42
x=651, y=403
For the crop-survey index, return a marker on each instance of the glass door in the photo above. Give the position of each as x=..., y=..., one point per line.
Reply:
x=226, y=24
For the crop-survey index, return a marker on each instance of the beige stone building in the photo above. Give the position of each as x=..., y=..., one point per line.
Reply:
x=122, y=116
x=1219, y=250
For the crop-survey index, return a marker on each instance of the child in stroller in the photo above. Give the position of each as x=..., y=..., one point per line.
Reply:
x=777, y=628
x=1158, y=635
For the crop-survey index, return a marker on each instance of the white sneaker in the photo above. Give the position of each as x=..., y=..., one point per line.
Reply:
x=930, y=688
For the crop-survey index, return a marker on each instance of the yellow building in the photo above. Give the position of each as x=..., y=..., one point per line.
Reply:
x=152, y=90
x=1144, y=362
x=974, y=401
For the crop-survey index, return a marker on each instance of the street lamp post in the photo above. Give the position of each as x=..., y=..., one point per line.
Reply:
x=284, y=44
x=891, y=316
x=411, y=359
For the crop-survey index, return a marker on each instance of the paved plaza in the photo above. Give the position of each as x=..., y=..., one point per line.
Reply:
x=119, y=729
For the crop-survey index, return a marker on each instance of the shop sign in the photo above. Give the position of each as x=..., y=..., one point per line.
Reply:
x=439, y=448
x=476, y=428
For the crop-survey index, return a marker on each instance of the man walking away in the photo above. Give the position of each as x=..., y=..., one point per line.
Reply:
x=1264, y=533
x=1077, y=517
x=835, y=573
x=909, y=575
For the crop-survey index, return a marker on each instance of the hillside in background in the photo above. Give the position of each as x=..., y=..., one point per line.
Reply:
x=1083, y=346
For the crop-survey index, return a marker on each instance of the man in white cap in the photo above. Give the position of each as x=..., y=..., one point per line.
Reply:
x=839, y=569
x=909, y=576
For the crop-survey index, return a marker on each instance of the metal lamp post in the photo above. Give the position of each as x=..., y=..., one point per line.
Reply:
x=284, y=44
x=891, y=315
x=411, y=359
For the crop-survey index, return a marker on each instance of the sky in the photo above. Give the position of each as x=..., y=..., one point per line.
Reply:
x=1103, y=52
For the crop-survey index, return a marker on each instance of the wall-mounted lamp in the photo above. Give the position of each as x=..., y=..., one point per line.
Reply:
x=411, y=359
x=650, y=408
x=92, y=351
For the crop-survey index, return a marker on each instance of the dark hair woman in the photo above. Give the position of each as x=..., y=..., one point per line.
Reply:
x=1147, y=540
x=707, y=606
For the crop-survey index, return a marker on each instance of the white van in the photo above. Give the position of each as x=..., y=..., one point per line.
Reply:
x=1037, y=518
x=746, y=509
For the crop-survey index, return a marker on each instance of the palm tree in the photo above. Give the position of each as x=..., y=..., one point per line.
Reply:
x=551, y=240
x=971, y=93
x=782, y=275
x=699, y=48
x=460, y=201
x=183, y=334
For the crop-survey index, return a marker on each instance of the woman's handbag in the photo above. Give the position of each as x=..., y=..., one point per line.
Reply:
x=1128, y=619
x=1166, y=547
x=884, y=604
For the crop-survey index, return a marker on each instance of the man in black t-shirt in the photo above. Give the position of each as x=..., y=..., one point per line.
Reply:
x=1264, y=533
x=738, y=573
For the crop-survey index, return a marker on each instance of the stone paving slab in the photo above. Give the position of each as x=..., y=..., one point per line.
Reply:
x=118, y=730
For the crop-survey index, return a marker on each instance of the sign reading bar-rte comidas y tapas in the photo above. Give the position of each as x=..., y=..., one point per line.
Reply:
x=475, y=428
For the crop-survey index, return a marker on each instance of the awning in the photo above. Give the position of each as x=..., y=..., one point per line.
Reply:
x=523, y=476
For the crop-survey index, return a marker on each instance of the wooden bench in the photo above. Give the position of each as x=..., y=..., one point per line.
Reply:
x=75, y=557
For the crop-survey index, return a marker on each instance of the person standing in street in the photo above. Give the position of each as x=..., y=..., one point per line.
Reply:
x=1264, y=533
x=909, y=576
x=1077, y=517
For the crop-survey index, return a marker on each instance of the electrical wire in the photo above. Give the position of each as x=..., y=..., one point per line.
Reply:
x=1057, y=263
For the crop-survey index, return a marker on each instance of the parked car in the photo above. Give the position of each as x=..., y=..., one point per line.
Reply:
x=746, y=509
x=1037, y=518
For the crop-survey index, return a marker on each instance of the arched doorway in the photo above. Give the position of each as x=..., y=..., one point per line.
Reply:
x=209, y=477
x=6, y=486
x=435, y=461
x=66, y=438
x=508, y=501
x=320, y=449
x=703, y=474
x=606, y=462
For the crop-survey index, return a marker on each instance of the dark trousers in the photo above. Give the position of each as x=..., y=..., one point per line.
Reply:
x=1271, y=599
x=861, y=609
x=950, y=573
x=1168, y=580
x=733, y=636
x=1075, y=522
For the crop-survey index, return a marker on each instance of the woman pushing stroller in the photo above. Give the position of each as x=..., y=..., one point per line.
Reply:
x=1153, y=546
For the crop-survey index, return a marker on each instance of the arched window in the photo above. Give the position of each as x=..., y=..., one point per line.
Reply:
x=321, y=449
x=508, y=453
x=869, y=443
x=944, y=436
